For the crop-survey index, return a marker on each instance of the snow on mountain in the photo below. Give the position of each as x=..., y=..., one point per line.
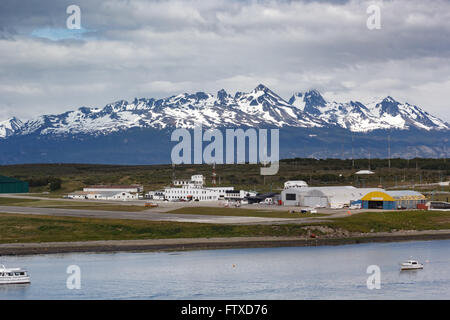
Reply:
x=260, y=107
x=267, y=107
x=404, y=115
x=357, y=117
x=10, y=127
x=297, y=101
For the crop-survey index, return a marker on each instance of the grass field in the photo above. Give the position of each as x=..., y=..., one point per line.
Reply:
x=28, y=228
x=68, y=205
x=240, y=212
x=393, y=220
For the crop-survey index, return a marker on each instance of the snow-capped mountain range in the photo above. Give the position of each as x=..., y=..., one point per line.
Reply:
x=258, y=108
x=10, y=127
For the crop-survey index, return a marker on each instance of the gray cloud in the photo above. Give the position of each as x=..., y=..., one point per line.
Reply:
x=157, y=48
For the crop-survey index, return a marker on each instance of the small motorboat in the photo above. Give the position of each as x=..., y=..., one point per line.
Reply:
x=13, y=275
x=411, y=265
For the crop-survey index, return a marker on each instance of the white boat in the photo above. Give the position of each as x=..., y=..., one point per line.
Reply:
x=13, y=275
x=411, y=265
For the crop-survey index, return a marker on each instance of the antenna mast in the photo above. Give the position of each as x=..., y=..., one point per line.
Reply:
x=389, y=150
x=173, y=174
x=214, y=174
x=353, y=158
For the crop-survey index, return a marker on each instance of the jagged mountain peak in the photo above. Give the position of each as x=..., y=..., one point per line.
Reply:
x=261, y=96
x=308, y=102
x=10, y=126
x=262, y=90
x=259, y=107
x=389, y=99
x=388, y=106
x=261, y=87
x=313, y=93
x=222, y=93
x=223, y=97
x=385, y=113
x=314, y=98
x=13, y=121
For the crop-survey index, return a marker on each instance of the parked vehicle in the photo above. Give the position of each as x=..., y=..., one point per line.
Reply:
x=151, y=205
x=355, y=206
x=267, y=201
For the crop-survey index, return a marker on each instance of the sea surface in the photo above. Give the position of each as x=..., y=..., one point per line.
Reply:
x=325, y=272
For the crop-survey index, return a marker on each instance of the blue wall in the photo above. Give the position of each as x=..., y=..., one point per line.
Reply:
x=387, y=205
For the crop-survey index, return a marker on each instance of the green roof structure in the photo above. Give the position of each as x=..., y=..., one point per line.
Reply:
x=11, y=185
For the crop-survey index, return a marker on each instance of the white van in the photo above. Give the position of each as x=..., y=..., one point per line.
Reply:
x=267, y=201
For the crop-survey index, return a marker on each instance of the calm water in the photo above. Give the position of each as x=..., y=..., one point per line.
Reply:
x=274, y=273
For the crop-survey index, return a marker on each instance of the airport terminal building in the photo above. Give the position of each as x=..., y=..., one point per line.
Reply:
x=194, y=189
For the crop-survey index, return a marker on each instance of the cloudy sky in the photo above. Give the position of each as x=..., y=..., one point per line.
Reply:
x=134, y=48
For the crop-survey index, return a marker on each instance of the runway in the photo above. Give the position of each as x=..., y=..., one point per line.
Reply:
x=151, y=215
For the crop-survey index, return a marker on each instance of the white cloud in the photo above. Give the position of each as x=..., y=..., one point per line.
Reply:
x=159, y=48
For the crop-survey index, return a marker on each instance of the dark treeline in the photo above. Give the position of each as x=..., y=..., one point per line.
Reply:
x=52, y=182
x=69, y=177
x=398, y=163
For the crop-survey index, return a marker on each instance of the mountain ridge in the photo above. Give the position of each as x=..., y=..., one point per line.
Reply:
x=257, y=108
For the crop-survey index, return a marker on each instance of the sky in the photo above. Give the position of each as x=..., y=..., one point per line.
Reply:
x=154, y=49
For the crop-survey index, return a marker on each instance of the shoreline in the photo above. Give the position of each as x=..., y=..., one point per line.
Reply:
x=187, y=244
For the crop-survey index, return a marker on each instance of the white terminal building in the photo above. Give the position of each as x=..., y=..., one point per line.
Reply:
x=134, y=188
x=195, y=190
x=112, y=192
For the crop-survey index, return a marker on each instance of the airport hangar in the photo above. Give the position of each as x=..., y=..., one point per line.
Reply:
x=338, y=197
x=324, y=197
x=391, y=200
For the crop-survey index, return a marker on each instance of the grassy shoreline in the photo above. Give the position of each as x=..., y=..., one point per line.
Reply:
x=389, y=221
x=188, y=244
x=32, y=228
x=23, y=228
x=30, y=234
